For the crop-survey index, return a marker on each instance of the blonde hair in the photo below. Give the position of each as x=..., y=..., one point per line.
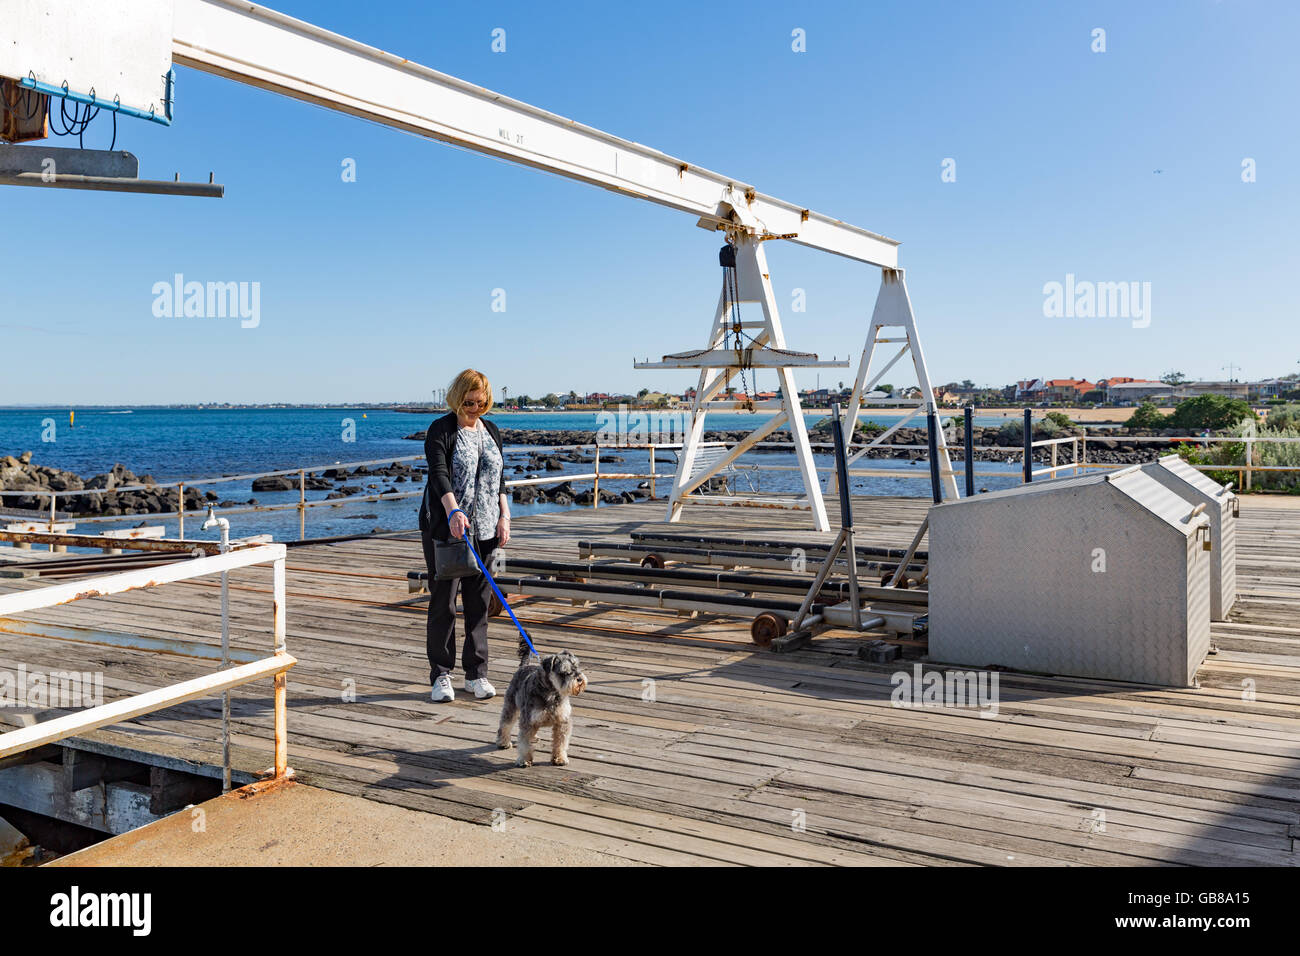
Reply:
x=468, y=381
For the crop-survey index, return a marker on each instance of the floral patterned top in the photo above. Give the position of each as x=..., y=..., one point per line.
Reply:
x=476, y=467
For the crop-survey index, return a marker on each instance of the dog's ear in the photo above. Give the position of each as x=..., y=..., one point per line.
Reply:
x=548, y=663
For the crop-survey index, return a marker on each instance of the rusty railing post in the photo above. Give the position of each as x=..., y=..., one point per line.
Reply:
x=281, y=679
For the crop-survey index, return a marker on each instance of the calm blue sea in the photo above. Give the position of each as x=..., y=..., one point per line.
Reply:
x=175, y=443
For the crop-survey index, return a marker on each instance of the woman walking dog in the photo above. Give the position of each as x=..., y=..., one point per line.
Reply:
x=465, y=495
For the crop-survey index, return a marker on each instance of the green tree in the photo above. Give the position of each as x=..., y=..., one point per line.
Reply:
x=1147, y=416
x=1060, y=419
x=1173, y=378
x=1210, y=411
x=1284, y=416
x=551, y=400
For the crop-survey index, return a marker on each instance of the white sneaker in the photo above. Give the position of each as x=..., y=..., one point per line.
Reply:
x=481, y=688
x=442, y=690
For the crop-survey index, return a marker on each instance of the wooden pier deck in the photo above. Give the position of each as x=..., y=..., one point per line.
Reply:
x=693, y=746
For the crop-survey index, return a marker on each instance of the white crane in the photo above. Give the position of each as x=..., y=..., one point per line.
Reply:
x=119, y=57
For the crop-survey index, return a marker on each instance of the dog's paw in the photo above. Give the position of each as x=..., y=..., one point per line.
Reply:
x=523, y=763
x=559, y=761
x=503, y=744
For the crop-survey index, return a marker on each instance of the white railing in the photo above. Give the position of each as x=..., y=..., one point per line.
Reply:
x=276, y=666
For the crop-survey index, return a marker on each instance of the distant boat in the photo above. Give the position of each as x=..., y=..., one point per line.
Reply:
x=127, y=412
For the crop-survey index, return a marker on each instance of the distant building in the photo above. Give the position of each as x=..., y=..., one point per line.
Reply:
x=954, y=394
x=1068, y=389
x=1104, y=383
x=1271, y=388
x=1133, y=391
x=1031, y=390
x=1230, y=389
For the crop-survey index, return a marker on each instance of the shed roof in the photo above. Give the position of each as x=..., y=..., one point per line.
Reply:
x=1154, y=497
x=1193, y=476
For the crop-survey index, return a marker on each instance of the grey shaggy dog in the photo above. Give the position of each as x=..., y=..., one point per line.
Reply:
x=539, y=697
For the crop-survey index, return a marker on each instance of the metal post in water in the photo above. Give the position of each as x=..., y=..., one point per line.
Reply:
x=1029, y=445
x=970, y=451
x=932, y=425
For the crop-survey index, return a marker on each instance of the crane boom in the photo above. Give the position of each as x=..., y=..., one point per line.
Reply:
x=260, y=47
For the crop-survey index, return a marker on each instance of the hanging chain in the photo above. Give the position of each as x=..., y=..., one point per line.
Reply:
x=731, y=304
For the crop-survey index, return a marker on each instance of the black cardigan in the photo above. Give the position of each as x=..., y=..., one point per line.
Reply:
x=439, y=447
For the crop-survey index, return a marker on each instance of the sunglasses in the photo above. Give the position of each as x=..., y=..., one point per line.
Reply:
x=471, y=404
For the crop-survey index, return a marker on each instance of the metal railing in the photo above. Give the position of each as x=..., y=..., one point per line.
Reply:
x=249, y=668
x=1077, y=462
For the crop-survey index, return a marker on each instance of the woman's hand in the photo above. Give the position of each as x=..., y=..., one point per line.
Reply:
x=503, y=530
x=458, y=524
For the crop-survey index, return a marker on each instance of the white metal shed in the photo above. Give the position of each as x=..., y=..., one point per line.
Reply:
x=1101, y=576
x=1222, y=507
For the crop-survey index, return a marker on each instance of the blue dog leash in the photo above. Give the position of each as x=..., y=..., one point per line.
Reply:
x=487, y=574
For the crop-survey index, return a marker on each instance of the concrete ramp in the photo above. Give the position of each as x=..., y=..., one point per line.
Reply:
x=297, y=825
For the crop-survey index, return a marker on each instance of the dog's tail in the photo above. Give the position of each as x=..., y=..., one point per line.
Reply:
x=523, y=649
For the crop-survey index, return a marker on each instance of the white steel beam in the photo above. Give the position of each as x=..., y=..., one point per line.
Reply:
x=260, y=47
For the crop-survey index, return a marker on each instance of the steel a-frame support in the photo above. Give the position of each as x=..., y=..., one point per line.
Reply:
x=893, y=312
x=755, y=285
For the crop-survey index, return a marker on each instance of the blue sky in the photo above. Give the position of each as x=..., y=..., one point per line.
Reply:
x=381, y=289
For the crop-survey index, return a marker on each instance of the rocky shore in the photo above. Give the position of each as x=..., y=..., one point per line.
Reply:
x=103, y=495
x=1105, y=445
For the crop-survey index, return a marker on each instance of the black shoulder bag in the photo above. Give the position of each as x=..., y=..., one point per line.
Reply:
x=453, y=559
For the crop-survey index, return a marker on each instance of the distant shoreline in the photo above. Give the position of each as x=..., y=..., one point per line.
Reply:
x=1084, y=416
x=1089, y=416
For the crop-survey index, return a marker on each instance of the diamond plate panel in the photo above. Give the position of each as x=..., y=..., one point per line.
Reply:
x=1076, y=578
x=1196, y=487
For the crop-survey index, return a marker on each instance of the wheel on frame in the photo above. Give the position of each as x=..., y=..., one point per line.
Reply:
x=652, y=561
x=766, y=628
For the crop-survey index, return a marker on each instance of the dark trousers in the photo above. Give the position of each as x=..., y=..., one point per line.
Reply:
x=440, y=634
